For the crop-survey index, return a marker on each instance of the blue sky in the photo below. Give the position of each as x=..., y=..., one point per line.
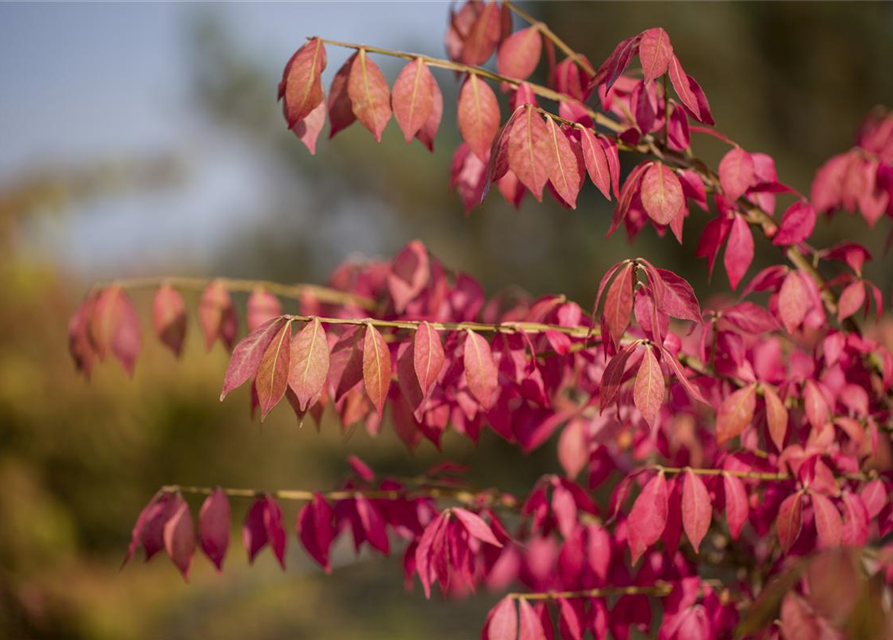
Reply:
x=88, y=82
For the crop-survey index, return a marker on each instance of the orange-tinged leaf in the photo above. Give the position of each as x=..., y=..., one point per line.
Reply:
x=309, y=363
x=828, y=523
x=217, y=316
x=776, y=416
x=793, y=301
x=661, y=194
x=428, y=131
x=272, y=373
x=737, y=506
x=619, y=303
x=369, y=94
x=565, y=176
x=244, y=362
x=519, y=54
x=648, y=393
x=169, y=317
x=735, y=413
x=480, y=370
x=301, y=87
x=428, y=356
x=529, y=156
x=478, y=116
x=115, y=327
x=788, y=522
x=376, y=367
x=413, y=98
x=697, y=510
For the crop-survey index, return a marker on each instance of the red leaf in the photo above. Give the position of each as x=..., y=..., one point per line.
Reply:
x=428, y=132
x=301, y=87
x=828, y=522
x=376, y=367
x=427, y=357
x=483, y=35
x=272, y=372
x=272, y=516
x=217, y=316
x=697, y=510
x=316, y=530
x=262, y=307
x=736, y=173
x=531, y=627
x=214, y=526
x=503, y=623
x=796, y=225
x=619, y=303
x=566, y=176
x=244, y=362
x=735, y=413
x=519, y=54
x=369, y=94
x=478, y=116
x=570, y=622
x=661, y=194
x=648, y=394
x=787, y=524
x=480, y=370
x=309, y=363
x=169, y=317
x=476, y=527
x=179, y=536
x=739, y=251
x=115, y=327
x=655, y=52
x=693, y=392
x=793, y=301
x=613, y=376
x=648, y=516
x=616, y=64
x=851, y=300
x=373, y=524
x=736, y=503
x=413, y=98
x=679, y=299
x=596, y=161
x=529, y=156
x=339, y=105
x=159, y=505
x=815, y=405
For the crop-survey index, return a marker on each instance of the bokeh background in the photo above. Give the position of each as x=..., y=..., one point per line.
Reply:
x=144, y=139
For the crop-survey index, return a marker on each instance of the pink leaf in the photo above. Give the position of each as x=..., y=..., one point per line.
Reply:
x=619, y=303
x=828, y=522
x=376, y=367
x=480, y=370
x=301, y=88
x=736, y=503
x=179, y=536
x=596, y=161
x=428, y=132
x=697, y=510
x=478, y=116
x=650, y=387
x=796, y=225
x=409, y=275
x=683, y=87
x=566, y=176
x=244, y=362
x=739, y=251
x=503, y=624
x=169, y=317
x=519, y=54
x=655, y=52
x=475, y=526
x=776, y=416
x=648, y=516
x=428, y=356
x=531, y=627
x=736, y=173
x=851, y=300
x=735, y=413
x=369, y=94
x=413, y=98
x=309, y=363
x=308, y=129
x=316, y=530
x=339, y=105
x=272, y=372
x=787, y=524
x=262, y=307
x=793, y=301
x=216, y=315
x=529, y=156
x=214, y=526
x=661, y=194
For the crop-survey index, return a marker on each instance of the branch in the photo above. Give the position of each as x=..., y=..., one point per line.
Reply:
x=659, y=589
x=748, y=475
x=544, y=29
x=296, y=291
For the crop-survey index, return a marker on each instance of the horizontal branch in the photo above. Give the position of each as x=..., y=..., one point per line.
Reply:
x=749, y=475
x=296, y=291
x=465, y=496
x=658, y=589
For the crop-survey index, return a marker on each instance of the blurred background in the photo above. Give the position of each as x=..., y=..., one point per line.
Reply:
x=144, y=139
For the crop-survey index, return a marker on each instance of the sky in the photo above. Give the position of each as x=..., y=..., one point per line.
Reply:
x=90, y=82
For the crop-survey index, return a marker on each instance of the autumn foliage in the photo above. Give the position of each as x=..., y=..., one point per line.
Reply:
x=724, y=468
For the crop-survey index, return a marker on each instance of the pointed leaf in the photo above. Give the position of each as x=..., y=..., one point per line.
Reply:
x=376, y=367
x=428, y=356
x=369, y=94
x=316, y=530
x=661, y=194
x=272, y=372
x=214, y=526
x=736, y=173
x=776, y=416
x=339, y=105
x=648, y=517
x=828, y=522
x=793, y=301
x=478, y=116
x=735, y=413
x=796, y=225
x=413, y=98
x=519, y=54
x=655, y=52
x=650, y=387
x=596, y=161
x=529, y=154
x=179, y=537
x=697, y=510
x=216, y=315
x=619, y=303
x=476, y=526
x=787, y=524
x=169, y=317
x=736, y=503
x=739, y=251
x=301, y=86
x=244, y=362
x=503, y=624
x=480, y=370
x=309, y=363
